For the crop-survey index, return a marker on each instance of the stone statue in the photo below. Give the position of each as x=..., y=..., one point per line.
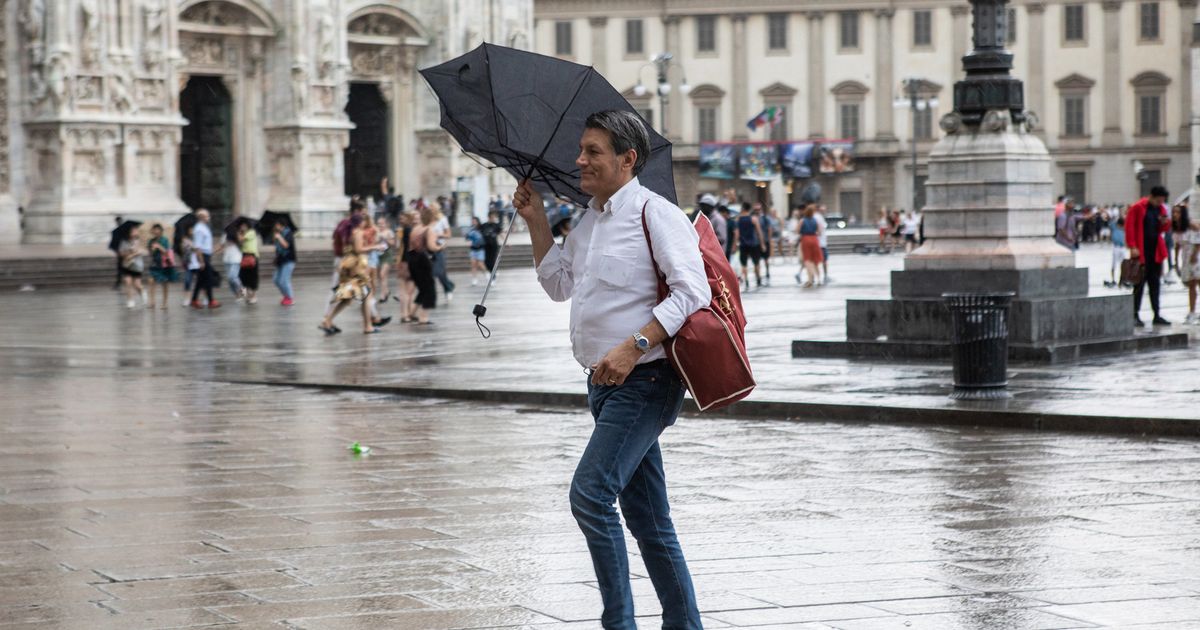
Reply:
x=89, y=26
x=326, y=56
x=152, y=34
x=118, y=91
x=299, y=89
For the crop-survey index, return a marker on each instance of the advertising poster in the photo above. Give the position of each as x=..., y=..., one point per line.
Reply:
x=836, y=157
x=797, y=158
x=759, y=162
x=718, y=161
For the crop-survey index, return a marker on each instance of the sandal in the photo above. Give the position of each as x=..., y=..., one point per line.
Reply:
x=371, y=332
x=329, y=332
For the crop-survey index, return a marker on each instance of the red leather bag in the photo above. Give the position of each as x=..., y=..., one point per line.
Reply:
x=709, y=351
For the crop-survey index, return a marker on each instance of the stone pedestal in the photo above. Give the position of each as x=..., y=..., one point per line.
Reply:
x=989, y=224
x=306, y=165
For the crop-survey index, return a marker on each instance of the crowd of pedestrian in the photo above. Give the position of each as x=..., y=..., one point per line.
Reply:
x=753, y=235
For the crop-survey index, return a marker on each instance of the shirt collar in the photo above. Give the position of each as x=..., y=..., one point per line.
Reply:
x=619, y=199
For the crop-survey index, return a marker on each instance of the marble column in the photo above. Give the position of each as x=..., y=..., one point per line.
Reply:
x=885, y=115
x=741, y=78
x=404, y=106
x=599, y=43
x=1192, y=89
x=816, y=74
x=1112, y=73
x=10, y=222
x=1187, y=16
x=1035, y=84
x=675, y=76
x=960, y=31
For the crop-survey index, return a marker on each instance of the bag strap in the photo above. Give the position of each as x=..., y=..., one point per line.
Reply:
x=662, y=280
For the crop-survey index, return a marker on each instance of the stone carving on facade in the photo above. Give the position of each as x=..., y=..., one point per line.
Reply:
x=152, y=37
x=377, y=24
x=89, y=32
x=204, y=51
x=300, y=89
x=88, y=90
x=150, y=94
x=326, y=46
x=87, y=168
x=118, y=93
x=323, y=98
x=217, y=13
x=370, y=60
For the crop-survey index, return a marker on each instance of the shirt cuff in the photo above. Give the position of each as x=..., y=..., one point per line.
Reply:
x=667, y=314
x=551, y=263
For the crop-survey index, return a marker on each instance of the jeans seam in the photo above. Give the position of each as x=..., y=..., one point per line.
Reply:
x=609, y=473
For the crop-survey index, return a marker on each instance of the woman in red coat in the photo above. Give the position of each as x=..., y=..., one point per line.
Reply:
x=1145, y=225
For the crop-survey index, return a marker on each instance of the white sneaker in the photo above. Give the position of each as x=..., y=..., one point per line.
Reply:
x=474, y=282
x=186, y=302
x=130, y=304
x=1191, y=320
x=449, y=297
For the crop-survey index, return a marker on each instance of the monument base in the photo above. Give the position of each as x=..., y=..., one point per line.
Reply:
x=1064, y=352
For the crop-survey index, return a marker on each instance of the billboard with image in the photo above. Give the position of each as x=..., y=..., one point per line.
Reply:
x=796, y=159
x=759, y=162
x=718, y=161
x=836, y=157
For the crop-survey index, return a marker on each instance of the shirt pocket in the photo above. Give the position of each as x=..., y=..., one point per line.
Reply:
x=616, y=269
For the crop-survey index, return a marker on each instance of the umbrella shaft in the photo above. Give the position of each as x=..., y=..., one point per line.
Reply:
x=499, y=255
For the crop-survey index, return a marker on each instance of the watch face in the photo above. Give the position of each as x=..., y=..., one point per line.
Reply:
x=643, y=343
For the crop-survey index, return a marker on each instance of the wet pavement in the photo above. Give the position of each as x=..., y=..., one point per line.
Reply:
x=140, y=489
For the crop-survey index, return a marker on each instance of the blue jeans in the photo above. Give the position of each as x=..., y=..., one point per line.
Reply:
x=283, y=277
x=623, y=461
x=231, y=273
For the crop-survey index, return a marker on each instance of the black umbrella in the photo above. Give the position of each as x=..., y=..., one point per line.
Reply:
x=182, y=225
x=122, y=232
x=231, y=228
x=266, y=223
x=525, y=113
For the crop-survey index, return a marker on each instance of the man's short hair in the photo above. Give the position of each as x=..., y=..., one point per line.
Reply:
x=625, y=131
x=1159, y=191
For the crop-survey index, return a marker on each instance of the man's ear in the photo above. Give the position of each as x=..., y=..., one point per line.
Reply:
x=629, y=159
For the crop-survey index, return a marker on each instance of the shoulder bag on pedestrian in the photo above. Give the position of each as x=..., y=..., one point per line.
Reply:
x=709, y=351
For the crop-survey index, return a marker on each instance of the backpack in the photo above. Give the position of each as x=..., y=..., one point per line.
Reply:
x=709, y=351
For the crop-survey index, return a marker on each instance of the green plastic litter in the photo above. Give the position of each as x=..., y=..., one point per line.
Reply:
x=359, y=449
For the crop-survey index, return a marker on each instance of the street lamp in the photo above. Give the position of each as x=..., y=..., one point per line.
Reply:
x=662, y=62
x=915, y=103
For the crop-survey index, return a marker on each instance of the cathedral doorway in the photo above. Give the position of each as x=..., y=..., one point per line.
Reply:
x=366, y=158
x=206, y=176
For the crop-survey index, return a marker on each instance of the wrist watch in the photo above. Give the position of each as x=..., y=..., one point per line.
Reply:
x=641, y=342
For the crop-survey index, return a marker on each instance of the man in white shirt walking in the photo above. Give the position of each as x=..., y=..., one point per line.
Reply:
x=617, y=330
x=202, y=240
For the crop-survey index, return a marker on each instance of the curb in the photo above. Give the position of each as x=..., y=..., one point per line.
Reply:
x=971, y=414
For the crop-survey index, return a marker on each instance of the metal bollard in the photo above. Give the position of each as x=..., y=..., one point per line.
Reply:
x=980, y=344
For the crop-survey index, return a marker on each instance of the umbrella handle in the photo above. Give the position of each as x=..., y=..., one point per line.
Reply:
x=480, y=309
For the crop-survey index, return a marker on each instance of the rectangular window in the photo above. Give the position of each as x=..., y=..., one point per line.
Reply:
x=706, y=124
x=706, y=33
x=923, y=124
x=1150, y=114
x=1010, y=36
x=1148, y=15
x=848, y=29
x=562, y=38
x=922, y=28
x=633, y=37
x=850, y=204
x=1073, y=116
x=777, y=31
x=1150, y=179
x=1073, y=25
x=1075, y=186
x=848, y=119
x=780, y=131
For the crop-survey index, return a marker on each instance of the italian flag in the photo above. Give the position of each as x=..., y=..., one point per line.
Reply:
x=770, y=116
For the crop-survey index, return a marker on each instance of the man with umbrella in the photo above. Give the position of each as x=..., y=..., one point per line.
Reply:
x=617, y=327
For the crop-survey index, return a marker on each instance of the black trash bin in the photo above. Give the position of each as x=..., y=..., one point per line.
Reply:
x=980, y=344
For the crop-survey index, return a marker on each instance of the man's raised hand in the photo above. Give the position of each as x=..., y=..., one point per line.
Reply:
x=528, y=202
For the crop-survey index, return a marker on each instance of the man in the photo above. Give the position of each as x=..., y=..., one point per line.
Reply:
x=1145, y=224
x=748, y=237
x=1065, y=225
x=442, y=229
x=708, y=205
x=202, y=241
x=491, y=239
x=616, y=333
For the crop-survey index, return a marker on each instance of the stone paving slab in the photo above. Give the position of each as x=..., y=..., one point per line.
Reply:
x=458, y=518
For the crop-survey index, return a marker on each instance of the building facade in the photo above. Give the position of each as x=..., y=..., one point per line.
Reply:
x=146, y=108
x=1110, y=82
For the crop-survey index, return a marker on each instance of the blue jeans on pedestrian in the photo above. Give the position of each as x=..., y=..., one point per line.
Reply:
x=283, y=277
x=231, y=273
x=623, y=462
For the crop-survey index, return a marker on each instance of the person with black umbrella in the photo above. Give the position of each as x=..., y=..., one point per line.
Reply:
x=608, y=271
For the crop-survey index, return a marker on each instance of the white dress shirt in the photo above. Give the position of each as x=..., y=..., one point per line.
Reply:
x=604, y=268
x=202, y=238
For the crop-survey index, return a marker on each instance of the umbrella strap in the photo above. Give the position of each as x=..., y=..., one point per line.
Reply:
x=483, y=330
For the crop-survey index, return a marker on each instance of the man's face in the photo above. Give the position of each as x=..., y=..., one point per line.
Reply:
x=601, y=170
x=1158, y=200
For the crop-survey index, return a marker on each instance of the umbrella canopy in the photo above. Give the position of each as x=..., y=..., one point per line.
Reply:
x=231, y=228
x=525, y=113
x=266, y=223
x=182, y=225
x=122, y=232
